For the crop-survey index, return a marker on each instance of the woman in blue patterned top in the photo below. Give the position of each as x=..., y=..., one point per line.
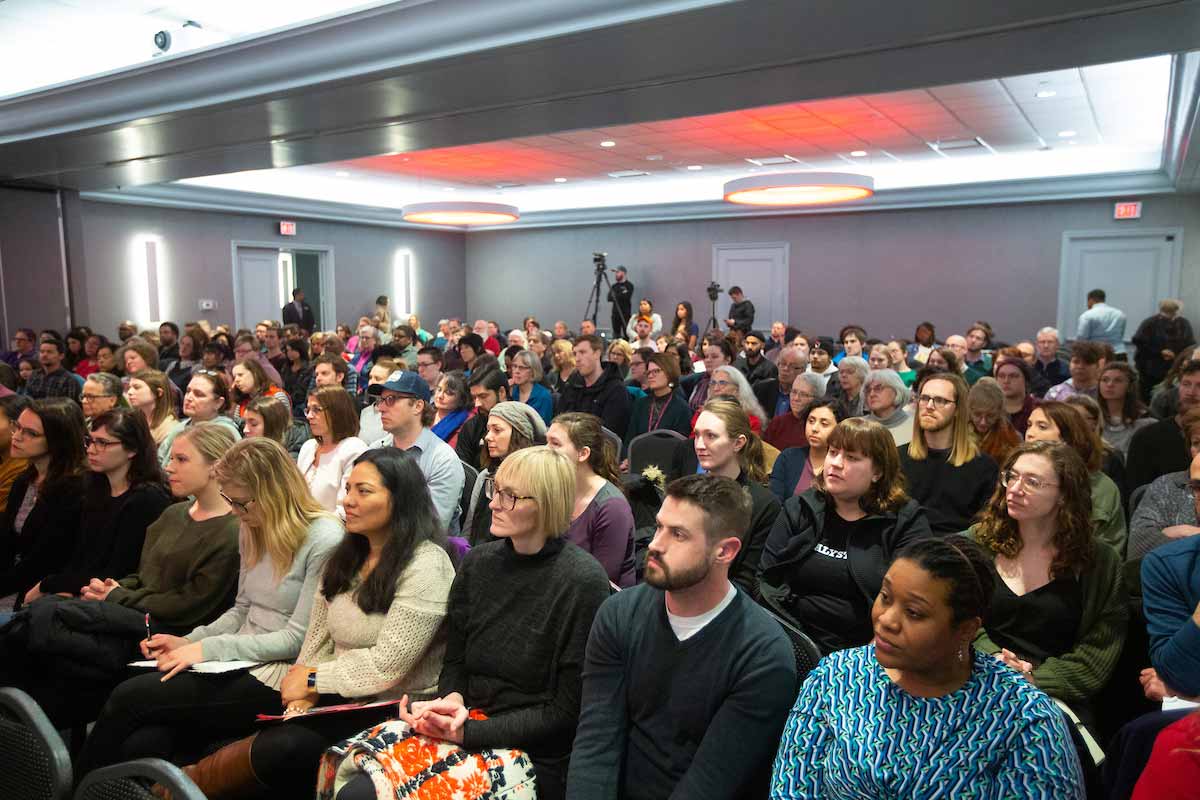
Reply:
x=917, y=714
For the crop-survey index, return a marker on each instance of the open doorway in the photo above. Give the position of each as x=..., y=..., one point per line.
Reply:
x=264, y=275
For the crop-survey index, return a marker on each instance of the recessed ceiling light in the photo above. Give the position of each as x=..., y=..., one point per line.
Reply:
x=608, y=143
x=799, y=189
x=1042, y=94
x=560, y=180
x=342, y=174
x=695, y=167
x=1066, y=134
x=458, y=213
x=858, y=153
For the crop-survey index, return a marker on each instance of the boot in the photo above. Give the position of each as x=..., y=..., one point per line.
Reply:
x=225, y=775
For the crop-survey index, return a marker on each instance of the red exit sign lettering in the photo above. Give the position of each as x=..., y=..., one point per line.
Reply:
x=287, y=228
x=1131, y=210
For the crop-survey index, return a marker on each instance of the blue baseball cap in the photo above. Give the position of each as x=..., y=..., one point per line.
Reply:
x=404, y=383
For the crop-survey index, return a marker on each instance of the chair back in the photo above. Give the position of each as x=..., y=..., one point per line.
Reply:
x=655, y=447
x=470, y=475
x=803, y=648
x=132, y=781
x=34, y=762
x=1135, y=497
x=611, y=435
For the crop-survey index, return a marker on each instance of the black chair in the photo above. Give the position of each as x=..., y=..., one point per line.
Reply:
x=132, y=781
x=34, y=762
x=611, y=435
x=805, y=650
x=470, y=475
x=1135, y=497
x=653, y=447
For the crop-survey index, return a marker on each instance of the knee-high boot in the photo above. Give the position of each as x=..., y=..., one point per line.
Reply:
x=225, y=775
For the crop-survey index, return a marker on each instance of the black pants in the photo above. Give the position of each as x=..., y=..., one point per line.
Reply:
x=146, y=717
x=1129, y=751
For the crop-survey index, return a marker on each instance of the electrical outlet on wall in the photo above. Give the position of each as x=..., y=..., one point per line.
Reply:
x=208, y=305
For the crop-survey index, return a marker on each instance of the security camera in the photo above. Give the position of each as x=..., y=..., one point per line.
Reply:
x=188, y=36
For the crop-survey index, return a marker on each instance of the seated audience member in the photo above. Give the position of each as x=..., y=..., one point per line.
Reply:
x=753, y=363
x=327, y=458
x=376, y=632
x=642, y=337
x=978, y=363
x=526, y=385
x=1121, y=405
x=1171, y=601
x=1015, y=379
x=470, y=347
x=1171, y=770
x=602, y=520
x=191, y=354
x=944, y=360
x=635, y=382
x=285, y=540
x=1159, y=339
x=773, y=393
x=848, y=387
x=40, y=527
x=268, y=418
x=519, y=705
x=363, y=354
x=1161, y=448
x=370, y=426
x=453, y=406
x=596, y=387
x=206, y=400
x=1087, y=359
x=619, y=352
x=297, y=372
x=404, y=340
x=853, y=339
x=1059, y=608
x=787, y=430
x=486, y=388
x=684, y=325
x=123, y=496
x=924, y=342
x=958, y=345
x=717, y=353
x=945, y=470
x=24, y=343
x=645, y=309
x=820, y=362
x=897, y=360
x=135, y=355
x=52, y=379
x=74, y=342
x=723, y=444
x=994, y=432
x=1060, y=422
x=330, y=369
x=1112, y=461
x=861, y=725
x=250, y=383
x=660, y=719
x=662, y=406
x=562, y=361
x=511, y=426
x=106, y=359
x=798, y=468
x=1048, y=365
x=1164, y=397
x=429, y=366
x=11, y=466
x=887, y=401
x=728, y=381
x=1167, y=510
x=149, y=394
x=877, y=357
x=829, y=549
x=90, y=362
x=406, y=411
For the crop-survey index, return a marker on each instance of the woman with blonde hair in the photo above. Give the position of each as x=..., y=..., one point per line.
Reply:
x=562, y=357
x=327, y=459
x=524, y=709
x=526, y=386
x=150, y=393
x=284, y=541
x=620, y=352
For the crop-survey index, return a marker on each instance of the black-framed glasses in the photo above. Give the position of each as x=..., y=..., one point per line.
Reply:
x=389, y=400
x=1031, y=483
x=25, y=430
x=103, y=444
x=240, y=506
x=934, y=400
x=508, y=500
x=86, y=398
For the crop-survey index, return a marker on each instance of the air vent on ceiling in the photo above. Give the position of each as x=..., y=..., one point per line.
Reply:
x=627, y=173
x=508, y=185
x=956, y=145
x=773, y=161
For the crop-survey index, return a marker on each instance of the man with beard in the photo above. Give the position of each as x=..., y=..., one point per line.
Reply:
x=686, y=683
x=944, y=468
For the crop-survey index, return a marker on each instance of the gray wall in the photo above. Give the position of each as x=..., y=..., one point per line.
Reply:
x=195, y=261
x=885, y=270
x=31, y=255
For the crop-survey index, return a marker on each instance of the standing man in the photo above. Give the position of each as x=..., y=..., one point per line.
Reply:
x=1102, y=323
x=596, y=387
x=1158, y=340
x=754, y=364
x=686, y=681
x=741, y=312
x=52, y=380
x=299, y=313
x=620, y=294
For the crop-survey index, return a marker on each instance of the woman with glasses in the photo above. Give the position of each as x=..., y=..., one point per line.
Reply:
x=827, y=553
x=124, y=495
x=40, y=527
x=327, y=459
x=620, y=352
x=1121, y=405
x=717, y=352
x=526, y=384
x=285, y=540
x=11, y=467
x=886, y=398
x=102, y=392
x=205, y=400
x=149, y=392
x=728, y=381
x=1059, y=608
x=453, y=407
x=511, y=426
x=787, y=430
x=850, y=384
x=662, y=406
x=519, y=614
x=993, y=430
x=1060, y=422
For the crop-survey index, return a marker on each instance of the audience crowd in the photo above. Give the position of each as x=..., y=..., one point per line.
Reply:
x=644, y=562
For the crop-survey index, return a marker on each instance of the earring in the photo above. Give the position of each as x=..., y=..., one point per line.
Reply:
x=962, y=654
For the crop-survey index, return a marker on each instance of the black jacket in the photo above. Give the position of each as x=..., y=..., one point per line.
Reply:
x=606, y=398
x=1156, y=334
x=742, y=315
x=47, y=538
x=767, y=392
x=304, y=319
x=798, y=530
x=764, y=369
x=73, y=639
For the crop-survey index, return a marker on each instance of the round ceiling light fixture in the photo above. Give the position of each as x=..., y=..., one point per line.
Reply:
x=460, y=213
x=799, y=189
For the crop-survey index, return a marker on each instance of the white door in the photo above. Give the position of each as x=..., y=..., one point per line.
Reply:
x=258, y=282
x=1136, y=270
x=761, y=269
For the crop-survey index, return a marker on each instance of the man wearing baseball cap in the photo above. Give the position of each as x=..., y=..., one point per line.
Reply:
x=407, y=413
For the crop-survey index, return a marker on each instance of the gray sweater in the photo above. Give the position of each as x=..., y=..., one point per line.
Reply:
x=269, y=617
x=1167, y=502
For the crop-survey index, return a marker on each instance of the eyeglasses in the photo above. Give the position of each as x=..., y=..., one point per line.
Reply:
x=716, y=384
x=389, y=400
x=875, y=388
x=24, y=430
x=240, y=506
x=1010, y=480
x=508, y=500
x=103, y=444
x=652, y=371
x=312, y=411
x=934, y=400
x=86, y=398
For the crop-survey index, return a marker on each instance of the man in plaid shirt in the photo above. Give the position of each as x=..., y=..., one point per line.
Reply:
x=52, y=380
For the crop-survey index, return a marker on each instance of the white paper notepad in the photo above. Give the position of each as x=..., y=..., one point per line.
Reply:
x=204, y=667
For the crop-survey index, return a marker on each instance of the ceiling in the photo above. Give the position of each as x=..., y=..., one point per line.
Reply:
x=1108, y=118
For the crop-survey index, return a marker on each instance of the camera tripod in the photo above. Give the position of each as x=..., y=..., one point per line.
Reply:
x=593, y=301
x=713, y=325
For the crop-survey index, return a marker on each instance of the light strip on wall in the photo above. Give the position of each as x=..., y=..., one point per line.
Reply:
x=152, y=281
x=148, y=279
x=402, y=286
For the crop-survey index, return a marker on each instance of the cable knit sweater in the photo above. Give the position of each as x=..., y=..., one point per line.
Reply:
x=383, y=656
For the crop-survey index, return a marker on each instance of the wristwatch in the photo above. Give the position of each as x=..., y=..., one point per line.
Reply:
x=312, y=679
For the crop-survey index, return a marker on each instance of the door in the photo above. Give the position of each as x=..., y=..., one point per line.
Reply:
x=307, y=265
x=257, y=285
x=762, y=272
x=1136, y=270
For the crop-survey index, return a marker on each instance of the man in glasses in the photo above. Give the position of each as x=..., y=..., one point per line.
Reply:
x=945, y=470
x=407, y=414
x=23, y=347
x=774, y=393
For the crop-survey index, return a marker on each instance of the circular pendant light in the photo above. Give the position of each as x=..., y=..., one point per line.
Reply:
x=460, y=213
x=799, y=188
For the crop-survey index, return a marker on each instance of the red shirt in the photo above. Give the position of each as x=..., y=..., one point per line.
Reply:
x=1174, y=767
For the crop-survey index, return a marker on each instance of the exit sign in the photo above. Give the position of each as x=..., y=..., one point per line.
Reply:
x=288, y=228
x=1131, y=210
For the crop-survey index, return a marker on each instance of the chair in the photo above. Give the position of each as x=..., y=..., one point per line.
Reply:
x=611, y=435
x=470, y=475
x=803, y=648
x=653, y=447
x=1135, y=497
x=34, y=762
x=132, y=781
